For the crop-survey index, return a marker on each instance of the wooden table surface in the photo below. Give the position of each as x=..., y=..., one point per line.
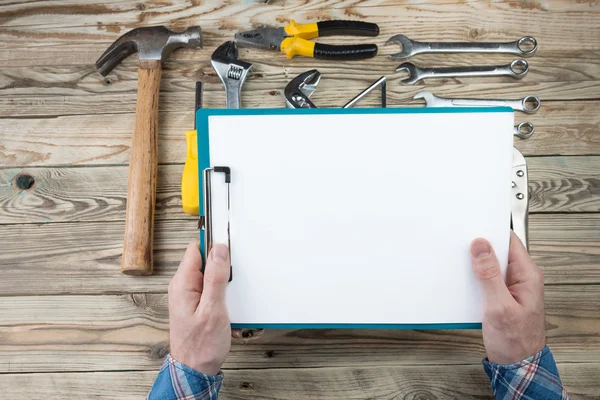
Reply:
x=72, y=326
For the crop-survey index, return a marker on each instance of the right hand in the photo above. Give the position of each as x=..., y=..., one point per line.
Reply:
x=513, y=324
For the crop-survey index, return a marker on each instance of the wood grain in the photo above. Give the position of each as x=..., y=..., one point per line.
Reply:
x=69, y=40
x=557, y=184
x=65, y=310
x=270, y=68
x=467, y=382
x=565, y=128
x=95, y=333
x=268, y=93
x=78, y=258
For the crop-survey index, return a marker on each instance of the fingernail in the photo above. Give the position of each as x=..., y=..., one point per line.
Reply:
x=219, y=253
x=480, y=248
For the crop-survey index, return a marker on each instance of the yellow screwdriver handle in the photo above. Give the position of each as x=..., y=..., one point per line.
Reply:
x=189, y=180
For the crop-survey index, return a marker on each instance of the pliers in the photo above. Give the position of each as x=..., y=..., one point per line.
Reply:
x=292, y=39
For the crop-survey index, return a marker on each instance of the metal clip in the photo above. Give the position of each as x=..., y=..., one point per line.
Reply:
x=206, y=222
x=520, y=198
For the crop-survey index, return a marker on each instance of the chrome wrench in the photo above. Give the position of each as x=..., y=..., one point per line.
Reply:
x=520, y=198
x=233, y=72
x=412, y=47
x=516, y=69
x=297, y=93
x=524, y=130
x=528, y=104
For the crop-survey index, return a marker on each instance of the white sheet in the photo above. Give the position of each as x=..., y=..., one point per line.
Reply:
x=360, y=218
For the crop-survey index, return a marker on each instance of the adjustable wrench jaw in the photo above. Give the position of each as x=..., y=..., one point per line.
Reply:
x=231, y=71
x=299, y=90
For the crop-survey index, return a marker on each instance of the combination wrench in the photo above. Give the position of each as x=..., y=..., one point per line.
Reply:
x=524, y=130
x=412, y=47
x=516, y=69
x=233, y=72
x=528, y=104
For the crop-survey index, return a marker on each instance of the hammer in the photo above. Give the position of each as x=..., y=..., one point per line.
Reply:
x=153, y=44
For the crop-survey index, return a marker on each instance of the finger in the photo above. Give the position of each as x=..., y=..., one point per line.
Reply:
x=186, y=286
x=236, y=333
x=216, y=274
x=487, y=270
x=521, y=267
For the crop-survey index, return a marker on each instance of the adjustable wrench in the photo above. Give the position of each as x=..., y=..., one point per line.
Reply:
x=298, y=91
x=412, y=47
x=516, y=69
x=233, y=72
x=518, y=105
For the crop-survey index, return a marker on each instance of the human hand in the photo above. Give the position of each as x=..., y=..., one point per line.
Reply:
x=200, y=331
x=513, y=323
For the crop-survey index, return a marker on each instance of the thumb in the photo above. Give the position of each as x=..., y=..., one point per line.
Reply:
x=487, y=270
x=216, y=274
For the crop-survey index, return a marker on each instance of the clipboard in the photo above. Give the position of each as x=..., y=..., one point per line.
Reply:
x=226, y=176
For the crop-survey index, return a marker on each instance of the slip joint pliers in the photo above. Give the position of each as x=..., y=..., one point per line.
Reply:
x=293, y=39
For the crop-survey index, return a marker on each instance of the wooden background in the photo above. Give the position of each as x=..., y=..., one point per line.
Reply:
x=71, y=326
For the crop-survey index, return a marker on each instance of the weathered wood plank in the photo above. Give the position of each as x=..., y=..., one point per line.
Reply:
x=83, y=194
x=71, y=80
x=557, y=184
x=78, y=258
x=566, y=128
x=79, y=32
x=467, y=382
x=259, y=94
x=130, y=332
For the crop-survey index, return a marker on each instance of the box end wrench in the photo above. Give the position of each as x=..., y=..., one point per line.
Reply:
x=412, y=47
x=231, y=71
x=516, y=69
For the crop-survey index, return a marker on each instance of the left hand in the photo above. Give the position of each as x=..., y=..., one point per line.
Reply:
x=200, y=331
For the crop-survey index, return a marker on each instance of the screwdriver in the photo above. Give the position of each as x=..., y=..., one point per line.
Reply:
x=189, y=180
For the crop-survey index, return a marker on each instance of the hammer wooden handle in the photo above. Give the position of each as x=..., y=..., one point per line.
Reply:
x=143, y=162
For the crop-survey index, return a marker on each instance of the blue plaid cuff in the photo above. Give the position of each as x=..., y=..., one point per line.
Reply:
x=176, y=381
x=536, y=377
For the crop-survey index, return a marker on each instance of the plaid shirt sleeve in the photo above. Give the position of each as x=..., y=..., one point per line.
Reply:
x=534, y=378
x=176, y=381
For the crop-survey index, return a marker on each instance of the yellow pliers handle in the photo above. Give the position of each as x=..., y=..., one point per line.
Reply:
x=297, y=42
x=293, y=39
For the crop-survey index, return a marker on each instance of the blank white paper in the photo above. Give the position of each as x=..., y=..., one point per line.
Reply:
x=360, y=218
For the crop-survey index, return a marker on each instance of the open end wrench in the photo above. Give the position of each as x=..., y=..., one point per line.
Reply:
x=516, y=69
x=528, y=104
x=233, y=72
x=412, y=47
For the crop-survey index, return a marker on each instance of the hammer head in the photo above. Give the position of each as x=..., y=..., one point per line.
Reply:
x=151, y=43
